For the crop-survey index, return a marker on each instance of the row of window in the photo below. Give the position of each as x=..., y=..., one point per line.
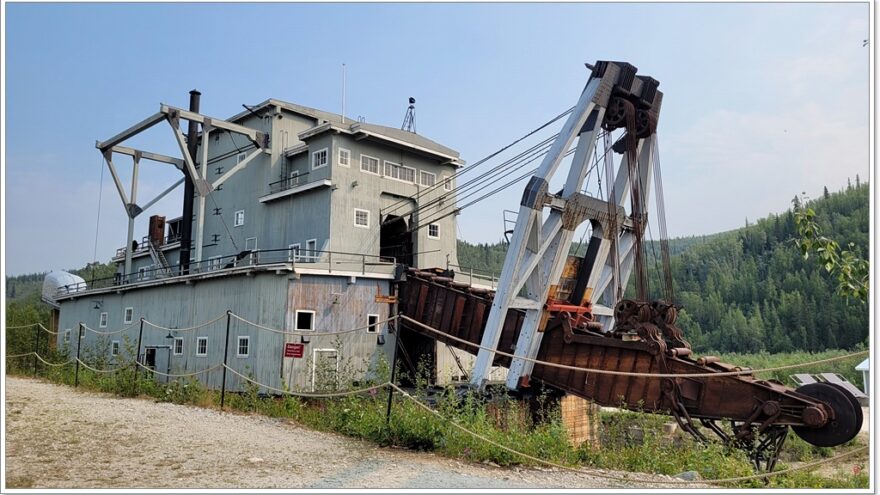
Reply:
x=304, y=321
x=391, y=170
x=127, y=317
x=362, y=220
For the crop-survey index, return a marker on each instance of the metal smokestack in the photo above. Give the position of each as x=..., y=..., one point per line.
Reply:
x=192, y=135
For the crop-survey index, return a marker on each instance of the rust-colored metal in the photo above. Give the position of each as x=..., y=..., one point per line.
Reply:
x=384, y=299
x=645, y=339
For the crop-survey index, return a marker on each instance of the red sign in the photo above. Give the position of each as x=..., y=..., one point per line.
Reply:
x=292, y=350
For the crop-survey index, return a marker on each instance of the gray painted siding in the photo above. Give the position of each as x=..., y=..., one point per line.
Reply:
x=262, y=298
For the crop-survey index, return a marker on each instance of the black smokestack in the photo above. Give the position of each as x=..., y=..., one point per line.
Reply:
x=192, y=135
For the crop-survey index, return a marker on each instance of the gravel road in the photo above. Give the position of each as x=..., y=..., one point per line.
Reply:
x=58, y=437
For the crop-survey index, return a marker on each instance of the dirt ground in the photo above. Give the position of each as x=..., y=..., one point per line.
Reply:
x=58, y=437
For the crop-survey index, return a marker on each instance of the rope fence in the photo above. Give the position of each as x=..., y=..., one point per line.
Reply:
x=114, y=332
x=308, y=394
x=179, y=375
x=717, y=374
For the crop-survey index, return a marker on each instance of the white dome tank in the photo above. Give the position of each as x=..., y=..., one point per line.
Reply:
x=60, y=282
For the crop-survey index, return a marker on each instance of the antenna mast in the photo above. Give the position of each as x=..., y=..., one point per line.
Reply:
x=409, y=121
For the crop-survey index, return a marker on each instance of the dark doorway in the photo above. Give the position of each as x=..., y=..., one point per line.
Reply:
x=417, y=357
x=395, y=240
x=150, y=358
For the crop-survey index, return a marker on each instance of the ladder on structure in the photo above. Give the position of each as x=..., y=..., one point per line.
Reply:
x=159, y=259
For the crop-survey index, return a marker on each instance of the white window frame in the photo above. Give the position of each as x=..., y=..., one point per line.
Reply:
x=215, y=263
x=199, y=341
x=447, y=183
x=246, y=243
x=356, y=224
x=174, y=351
x=128, y=315
x=326, y=158
x=290, y=253
x=66, y=335
x=240, y=157
x=415, y=174
x=378, y=171
x=246, y=338
x=312, y=254
x=432, y=174
x=400, y=168
x=315, y=364
x=344, y=152
x=437, y=226
x=373, y=327
x=103, y=319
x=296, y=327
x=114, y=348
x=235, y=218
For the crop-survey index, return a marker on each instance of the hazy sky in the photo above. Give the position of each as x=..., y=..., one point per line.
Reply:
x=762, y=101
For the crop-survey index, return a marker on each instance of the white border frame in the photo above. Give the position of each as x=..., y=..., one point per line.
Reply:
x=235, y=218
x=296, y=320
x=315, y=363
x=126, y=317
x=432, y=174
x=174, y=346
x=379, y=170
x=199, y=339
x=326, y=152
x=356, y=224
x=290, y=256
x=435, y=224
x=114, y=345
x=312, y=254
x=378, y=330
x=339, y=157
x=103, y=318
x=238, y=346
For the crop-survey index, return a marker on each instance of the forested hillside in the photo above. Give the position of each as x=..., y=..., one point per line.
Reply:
x=750, y=290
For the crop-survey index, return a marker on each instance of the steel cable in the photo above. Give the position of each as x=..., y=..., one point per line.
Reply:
x=630, y=373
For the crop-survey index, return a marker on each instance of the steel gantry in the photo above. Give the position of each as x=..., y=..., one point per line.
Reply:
x=190, y=165
x=614, y=97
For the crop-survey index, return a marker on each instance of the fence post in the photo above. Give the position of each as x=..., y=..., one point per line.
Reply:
x=36, y=346
x=79, y=338
x=396, y=327
x=225, y=357
x=137, y=355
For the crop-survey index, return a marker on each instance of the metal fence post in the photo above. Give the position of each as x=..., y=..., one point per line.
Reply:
x=137, y=355
x=79, y=338
x=225, y=357
x=36, y=346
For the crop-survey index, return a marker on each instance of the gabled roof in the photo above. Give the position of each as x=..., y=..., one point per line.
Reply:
x=335, y=121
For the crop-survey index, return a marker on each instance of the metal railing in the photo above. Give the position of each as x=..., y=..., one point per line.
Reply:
x=317, y=259
x=475, y=274
x=288, y=183
x=144, y=245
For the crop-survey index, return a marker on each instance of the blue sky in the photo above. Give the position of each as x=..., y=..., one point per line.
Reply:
x=762, y=101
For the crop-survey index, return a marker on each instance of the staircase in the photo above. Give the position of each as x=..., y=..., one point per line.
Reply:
x=160, y=260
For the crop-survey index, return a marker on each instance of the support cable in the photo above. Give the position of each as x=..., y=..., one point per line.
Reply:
x=632, y=373
x=483, y=160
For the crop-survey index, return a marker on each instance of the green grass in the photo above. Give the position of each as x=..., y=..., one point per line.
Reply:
x=501, y=419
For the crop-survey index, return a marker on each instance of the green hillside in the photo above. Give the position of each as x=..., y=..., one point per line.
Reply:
x=749, y=289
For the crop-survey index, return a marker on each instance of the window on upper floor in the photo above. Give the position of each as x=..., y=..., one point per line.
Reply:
x=127, y=316
x=400, y=172
x=372, y=323
x=344, y=157
x=361, y=218
x=239, y=218
x=319, y=158
x=293, y=254
x=427, y=178
x=102, y=323
x=370, y=164
x=447, y=183
x=434, y=231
